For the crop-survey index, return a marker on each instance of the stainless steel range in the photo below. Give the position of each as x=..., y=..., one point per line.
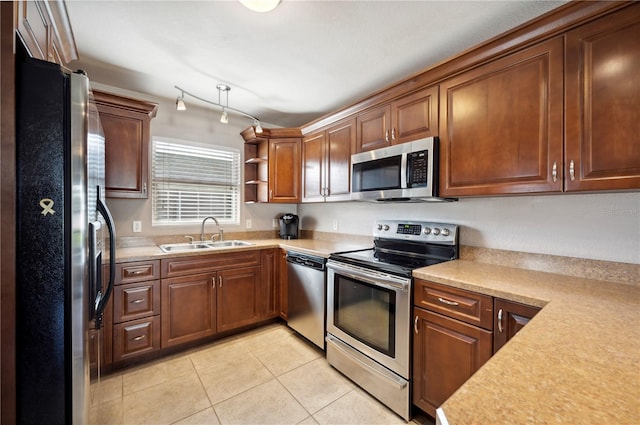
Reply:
x=369, y=305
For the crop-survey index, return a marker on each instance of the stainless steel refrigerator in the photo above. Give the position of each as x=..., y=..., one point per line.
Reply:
x=61, y=226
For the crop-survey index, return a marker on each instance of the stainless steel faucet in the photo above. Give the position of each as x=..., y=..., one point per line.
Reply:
x=220, y=231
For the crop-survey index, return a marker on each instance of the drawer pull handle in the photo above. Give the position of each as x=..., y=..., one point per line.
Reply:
x=415, y=324
x=500, y=320
x=137, y=272
x=442, y=300
x=138, y=338
x=136, y=301
x=572, y=170
x=554, y=172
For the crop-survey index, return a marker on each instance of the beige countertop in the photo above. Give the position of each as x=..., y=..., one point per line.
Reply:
x=310, y=246
x=576, y=362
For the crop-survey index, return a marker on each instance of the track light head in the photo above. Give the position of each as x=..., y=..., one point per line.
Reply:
x=224, y=118
x=180, y=106
x=258, y=126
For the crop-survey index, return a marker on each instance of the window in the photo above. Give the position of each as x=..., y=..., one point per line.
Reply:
x=192, y=182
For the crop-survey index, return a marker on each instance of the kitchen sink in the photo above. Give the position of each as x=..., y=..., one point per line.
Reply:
x=199, y=246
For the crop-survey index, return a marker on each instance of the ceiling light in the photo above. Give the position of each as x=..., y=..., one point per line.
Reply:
x=180, y=105
x=260, y=6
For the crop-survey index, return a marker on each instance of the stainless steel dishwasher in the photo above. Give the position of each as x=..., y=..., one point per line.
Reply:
x=307, y=296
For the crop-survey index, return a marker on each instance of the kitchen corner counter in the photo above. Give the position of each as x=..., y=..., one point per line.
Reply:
x=577, y=361
x=310, y=246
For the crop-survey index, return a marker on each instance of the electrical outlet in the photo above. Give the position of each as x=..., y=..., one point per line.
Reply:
x=137, y=226
x=274, y=223
x=248, y=224
x=335, y=224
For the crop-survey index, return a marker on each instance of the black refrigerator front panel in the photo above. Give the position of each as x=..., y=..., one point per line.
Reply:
x=50, y=245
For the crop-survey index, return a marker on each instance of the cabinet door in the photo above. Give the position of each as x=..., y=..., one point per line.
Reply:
x=510, y=318
x=238, y=298
x=446, y=352
x=372, y=129
x=501, y=125
x=284, y=170
x=415, y=116
x=313, y=167
x=126, y=125
x=340, y=141
x=602, y=89
x=269, y=287
x=33, y=28
x=188, y=308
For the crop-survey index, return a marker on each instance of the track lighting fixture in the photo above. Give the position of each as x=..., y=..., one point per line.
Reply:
x=180, y=106
x=224, y=118
x=260, y=5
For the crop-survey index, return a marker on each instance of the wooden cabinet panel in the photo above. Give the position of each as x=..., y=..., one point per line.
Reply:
x=415, y=116
x=181, y=266
x=270, y=289
x=313, y=167
x=372, y=129
x=126, y=124
x=136, y=300
x=135, y=338
x=510, y=318
x=326, y=163
x=284, y=170
x=469, y=307
x=188, y=308
x=137, y=271
x=446, y=353
x=501, y=125
x=239, y=298
x=602, y=92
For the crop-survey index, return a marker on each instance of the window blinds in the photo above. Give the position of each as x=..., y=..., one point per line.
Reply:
x=190, y=183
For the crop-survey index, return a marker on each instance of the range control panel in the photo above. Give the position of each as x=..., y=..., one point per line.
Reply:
x=421, y=231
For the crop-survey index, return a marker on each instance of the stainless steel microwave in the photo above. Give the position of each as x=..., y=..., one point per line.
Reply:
x=407, y=172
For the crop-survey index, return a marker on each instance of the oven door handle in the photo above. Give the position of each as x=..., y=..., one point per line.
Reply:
x=391, y=282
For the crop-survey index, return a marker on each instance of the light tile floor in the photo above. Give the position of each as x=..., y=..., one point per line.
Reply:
x=265, y=376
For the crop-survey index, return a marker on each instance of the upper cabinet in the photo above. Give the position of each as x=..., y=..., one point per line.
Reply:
x=126, y=124
x=326, y=168
x=45, y=30
x=272, y=165
x=406, y=119
x=501, y=125
x=602, y=95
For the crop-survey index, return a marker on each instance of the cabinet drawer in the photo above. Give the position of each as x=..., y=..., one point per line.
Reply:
x=136, y=300
x=136, y=338
x=209, y=263
x=470, y=307
x=137, y=271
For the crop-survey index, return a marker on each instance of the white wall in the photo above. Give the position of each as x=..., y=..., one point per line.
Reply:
x=593, y=226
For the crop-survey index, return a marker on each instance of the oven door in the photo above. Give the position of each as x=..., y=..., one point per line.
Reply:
x=370, y=311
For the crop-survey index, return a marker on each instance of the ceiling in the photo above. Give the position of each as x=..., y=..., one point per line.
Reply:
x=286, y=67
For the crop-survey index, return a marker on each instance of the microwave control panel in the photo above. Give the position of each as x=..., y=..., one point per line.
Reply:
x=417, y=169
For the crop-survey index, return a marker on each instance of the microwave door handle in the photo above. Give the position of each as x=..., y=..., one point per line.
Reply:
x=106, y=214
x=404, y=171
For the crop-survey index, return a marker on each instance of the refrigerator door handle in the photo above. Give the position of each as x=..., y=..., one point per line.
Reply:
x=102, y=209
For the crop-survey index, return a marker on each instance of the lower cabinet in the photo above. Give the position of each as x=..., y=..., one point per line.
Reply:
x=188, y=308
x=446, y=353
x=238, y=298
x=510, y=318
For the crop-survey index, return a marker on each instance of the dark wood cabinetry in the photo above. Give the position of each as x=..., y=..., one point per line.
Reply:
x=326, y=157
x=126, y=123
x=452, y=339
x=501, y=125
x=272, y=165
x=188, y=308
x=284, y=286
x=135, y=311
x=45, y=30
x=239, y=298
x=270, y=284
x=408, y=118
x=602, y=96
x=510, y=318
